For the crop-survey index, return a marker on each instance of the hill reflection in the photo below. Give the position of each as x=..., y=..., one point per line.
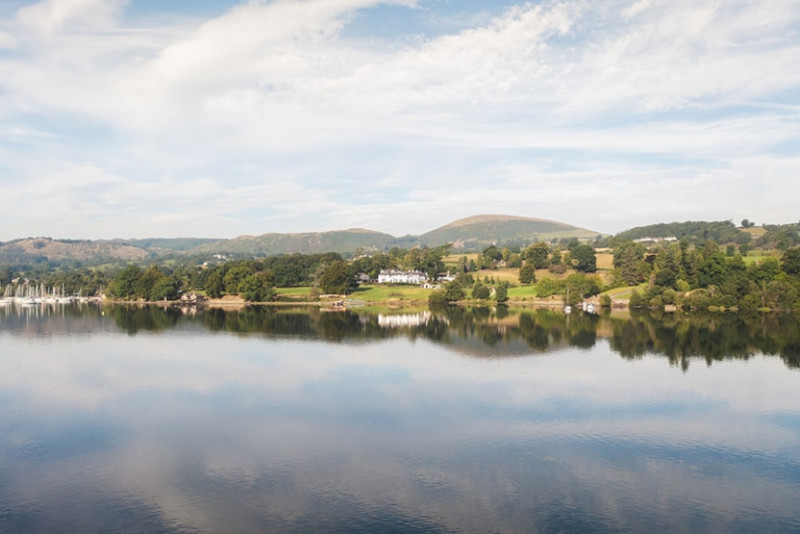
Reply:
x=475, y=332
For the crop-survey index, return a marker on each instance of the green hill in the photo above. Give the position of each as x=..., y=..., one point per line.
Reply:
x=36, y=250
x=483, y=230
x=344, y=241
x=472, y=233
x=694, y=231
x=177, y=244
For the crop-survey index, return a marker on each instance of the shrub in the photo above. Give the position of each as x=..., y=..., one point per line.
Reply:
x=481, y=291
x=669, y=296
x=501, y=293
x=453, y=292
x=636, y=300
x=437, y=298
x=547, y=287
x=699, y=299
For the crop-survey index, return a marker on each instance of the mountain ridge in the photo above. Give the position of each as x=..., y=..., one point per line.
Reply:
x=467, y=233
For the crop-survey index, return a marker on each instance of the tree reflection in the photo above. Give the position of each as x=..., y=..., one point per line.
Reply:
x=497, y=332
x=150, y=318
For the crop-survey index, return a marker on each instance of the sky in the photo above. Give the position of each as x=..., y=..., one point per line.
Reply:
x=203, y=118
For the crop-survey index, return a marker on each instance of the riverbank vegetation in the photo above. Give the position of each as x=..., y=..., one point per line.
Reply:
x=688, y=265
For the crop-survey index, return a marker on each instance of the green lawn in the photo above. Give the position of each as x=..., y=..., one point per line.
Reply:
x=293, y=291
x=373, y=293
x=624, y=293
x=522, y=292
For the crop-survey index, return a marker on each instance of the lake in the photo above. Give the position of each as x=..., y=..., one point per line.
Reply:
x=140, y=419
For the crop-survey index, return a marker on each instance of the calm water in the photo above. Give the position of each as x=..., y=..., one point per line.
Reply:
x=264, y=420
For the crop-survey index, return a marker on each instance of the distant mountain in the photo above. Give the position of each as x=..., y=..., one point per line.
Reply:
x=34, y=250
x=307, y=243
x=177, y=244
x=472, y=233
x=475, y=232
x=483, y=230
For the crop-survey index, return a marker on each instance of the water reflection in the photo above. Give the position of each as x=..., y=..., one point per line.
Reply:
x=464, y=420
x=478, y=331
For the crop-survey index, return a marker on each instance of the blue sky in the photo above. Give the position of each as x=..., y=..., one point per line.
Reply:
x=217, y=119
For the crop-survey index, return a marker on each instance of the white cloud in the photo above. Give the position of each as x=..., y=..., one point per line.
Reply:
x=552, y=88
x=53, y=15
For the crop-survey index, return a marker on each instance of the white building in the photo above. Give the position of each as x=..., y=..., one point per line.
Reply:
x=391, y=276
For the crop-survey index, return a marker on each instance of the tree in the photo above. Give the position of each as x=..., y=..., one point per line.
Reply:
x=144, y=286
x=5, y=276
x=548, y=286
x=764, y=271
x=234, y=277
x=712, y=270
x=481, y=291
x=258, y=287
x=636, y=300
x=790, y=262
x=214, y=285
x=337, y=278
x=492, y=254
x=666, y=277
x=527, y=273
x=538, y=255
x=166, y=288
x=628, y=260
x=779, y=295
x=427, y=260
x=501, y=293
x=453, y=292
x=124, y=284
x=584, y=258
x=747, y=224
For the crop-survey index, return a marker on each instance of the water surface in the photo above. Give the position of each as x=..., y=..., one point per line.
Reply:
x=464, y=420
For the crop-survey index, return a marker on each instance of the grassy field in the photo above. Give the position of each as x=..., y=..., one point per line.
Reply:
x=522, y=292
x=373, y=293
x=755, y=231
x=605, y=261
x=755, y=256
x=624, y=293
x=293, y=291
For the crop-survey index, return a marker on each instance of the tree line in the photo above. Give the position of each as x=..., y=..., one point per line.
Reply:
x=705, y=276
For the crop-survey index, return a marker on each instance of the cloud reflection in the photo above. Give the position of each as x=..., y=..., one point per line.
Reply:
x=185, y=429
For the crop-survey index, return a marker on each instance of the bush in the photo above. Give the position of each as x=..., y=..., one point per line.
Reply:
x=547, y=287
x=669, y=296
x=501, y=293
x=636, y=300
x=453, y=292
x=605, y=301
x=751, y=301
x=699, y=299
x=527, y=273
x=481, y=291
x=437, y=298
x=726, y=301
